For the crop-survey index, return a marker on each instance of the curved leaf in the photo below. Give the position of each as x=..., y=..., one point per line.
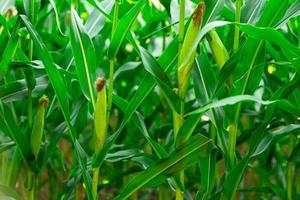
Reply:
x=97, y=19
x=56, y=17
x=153, y=67
x=8, y=54
x=8, y=193
x=166, y=60
x=123, y=27
x=283, y=104
x=60, y=91
x=85, y=57
x=199, y=144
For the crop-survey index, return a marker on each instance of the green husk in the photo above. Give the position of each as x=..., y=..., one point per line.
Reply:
x=100, y=114
x=38, y=126
x=218, y=49
x=185, y=63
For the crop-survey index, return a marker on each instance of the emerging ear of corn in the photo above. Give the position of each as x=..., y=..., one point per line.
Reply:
x=100, y=114
x=38, y=126
x=186, y=61
x=218, y=49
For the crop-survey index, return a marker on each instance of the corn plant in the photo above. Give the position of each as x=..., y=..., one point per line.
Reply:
x=149, y=99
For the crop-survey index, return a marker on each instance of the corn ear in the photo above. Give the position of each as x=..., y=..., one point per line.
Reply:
x=100, y=114
x=38, y=126
x=186, y=61
x=218, y=49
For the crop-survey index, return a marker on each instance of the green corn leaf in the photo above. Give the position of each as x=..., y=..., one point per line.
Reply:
x=244, y=102
x=84, y=55
x=138, y=121
x=232, y=180
x=60, y=90
x=231, y=183
x=269, y=137
x=280, y=103
x=56, y=17
x=5, y=146
x=100, y=8
x=292, y=11
x=213, y=9
x=123, y=26
x=28, y=72
x=54, y=76
x=167, y=61
x=273, y=12
x=8, y=54
x=199, y=144
x=8, y=193
x=207, y=167
x=271, y=35
x=251, y=11
x=18, y=90
x=9, y=127
x=236, y=173
x=152, y=66
x=205, y=83
x=97, y=19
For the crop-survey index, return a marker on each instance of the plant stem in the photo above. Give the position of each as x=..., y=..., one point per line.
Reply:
x=181, y=25
x=236, y=29
x=110, y=90
x=77, y=196
x=110, y=93
x=290, y=169
x=95, y=182
x=29, y=107
x=15, y=168
x=4, y=168
x=31, y=194
x=112, y=63
x=32, y=189
x=30, y=56
x=163, y=193
x=178, y=118
x=233, y=128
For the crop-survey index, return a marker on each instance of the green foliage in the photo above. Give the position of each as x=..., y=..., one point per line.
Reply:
x=205, y=105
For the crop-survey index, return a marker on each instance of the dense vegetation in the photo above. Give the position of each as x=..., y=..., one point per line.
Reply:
x=149, y=99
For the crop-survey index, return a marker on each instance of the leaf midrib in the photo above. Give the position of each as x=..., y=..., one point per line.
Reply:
x=76, y=31
x=153, y=175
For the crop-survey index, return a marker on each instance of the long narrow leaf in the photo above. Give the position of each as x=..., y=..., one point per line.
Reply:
x=196, y=145
x=85, y=57
x=60, y=90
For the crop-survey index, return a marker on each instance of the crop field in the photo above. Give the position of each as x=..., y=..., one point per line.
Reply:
x=149, y=99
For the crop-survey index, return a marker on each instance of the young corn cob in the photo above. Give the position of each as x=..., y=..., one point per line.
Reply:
x=100, y=114
x=185, y=62
x=218, y=49
x=38, y=126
